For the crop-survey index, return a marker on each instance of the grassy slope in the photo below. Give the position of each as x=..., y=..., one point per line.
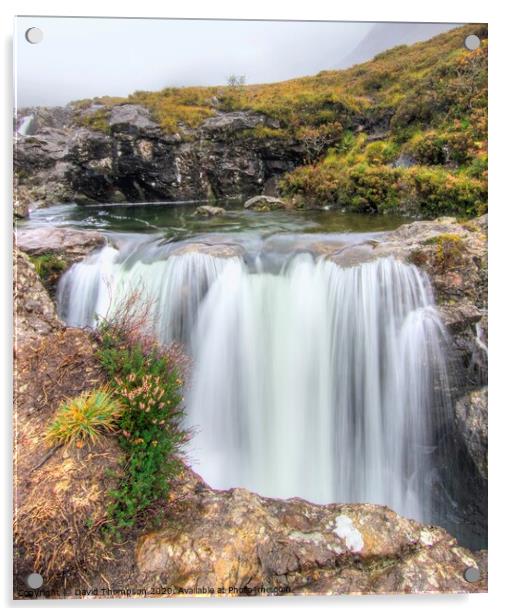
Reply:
x=426, y=102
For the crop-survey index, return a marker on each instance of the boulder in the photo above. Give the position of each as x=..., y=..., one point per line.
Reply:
x=264, y=203
x=209, y=210
x=471, y=415
x=70, y=244
x=133, y=116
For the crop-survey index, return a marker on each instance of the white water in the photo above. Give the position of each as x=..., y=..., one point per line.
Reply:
x=24, y=125
x=317, y=381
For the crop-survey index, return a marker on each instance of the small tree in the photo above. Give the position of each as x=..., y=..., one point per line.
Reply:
x=315, y=139
x=235, y=81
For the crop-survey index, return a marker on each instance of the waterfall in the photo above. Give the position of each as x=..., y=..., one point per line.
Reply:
x=25, y=125
x=316, y=381
x=320, y=382
x=171, y=287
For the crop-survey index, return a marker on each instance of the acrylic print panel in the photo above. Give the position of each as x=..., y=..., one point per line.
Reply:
x=251, y=308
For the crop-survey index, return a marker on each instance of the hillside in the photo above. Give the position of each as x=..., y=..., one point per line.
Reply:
x=405, y=131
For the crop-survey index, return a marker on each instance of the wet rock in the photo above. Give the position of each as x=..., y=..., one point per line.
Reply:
x=71, y=244
x=209, y=210
x=264, y=203
x=237, y=539
x=471, y=415
x=214, y=250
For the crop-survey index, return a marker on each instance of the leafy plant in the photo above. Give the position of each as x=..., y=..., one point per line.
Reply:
x=84, y=418
x=148, y=386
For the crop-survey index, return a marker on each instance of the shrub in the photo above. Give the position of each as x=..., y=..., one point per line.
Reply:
x=433, y=191
x=381, y=152
x=84, y=418
x=427, y=148
x=449, y=250
x=148, y=384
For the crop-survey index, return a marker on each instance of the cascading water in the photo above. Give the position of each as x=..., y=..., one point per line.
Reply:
x=314, y=381
x=25, y=125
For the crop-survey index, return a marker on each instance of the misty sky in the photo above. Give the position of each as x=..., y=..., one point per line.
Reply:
x=82, y=58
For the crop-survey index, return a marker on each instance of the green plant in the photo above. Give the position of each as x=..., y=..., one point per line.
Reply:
x=85, y=417
x=449, y=250
x=48, y=265
x=149, y=429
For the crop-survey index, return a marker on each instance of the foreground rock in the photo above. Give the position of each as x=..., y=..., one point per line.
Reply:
x=70, y=244
x=237, y=539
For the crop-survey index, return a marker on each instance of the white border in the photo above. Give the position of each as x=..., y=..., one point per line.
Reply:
x=490, y=11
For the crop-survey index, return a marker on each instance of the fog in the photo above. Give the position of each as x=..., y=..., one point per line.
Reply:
x=86, y=57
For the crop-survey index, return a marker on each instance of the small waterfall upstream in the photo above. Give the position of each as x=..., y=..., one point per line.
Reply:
x=25, y=125
x=315, y=380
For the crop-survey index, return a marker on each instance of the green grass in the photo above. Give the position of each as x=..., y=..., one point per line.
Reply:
x=48, y=265
x=83, y=419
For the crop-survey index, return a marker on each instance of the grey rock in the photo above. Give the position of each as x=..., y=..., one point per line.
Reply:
x=235, y=121
x=471, y=414
x=265, y=202
x=70, y=244
x=132, y=115
x=35, y=314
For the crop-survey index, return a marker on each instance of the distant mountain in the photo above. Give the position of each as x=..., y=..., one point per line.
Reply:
x=383, y=36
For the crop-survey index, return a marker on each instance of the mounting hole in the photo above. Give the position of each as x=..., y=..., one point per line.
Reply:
x=472, y=574
x=34, y=580
x=34, y=35
x=472, y=42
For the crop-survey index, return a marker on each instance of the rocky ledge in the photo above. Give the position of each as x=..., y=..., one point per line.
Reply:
x=70, y=245
x=238, y=540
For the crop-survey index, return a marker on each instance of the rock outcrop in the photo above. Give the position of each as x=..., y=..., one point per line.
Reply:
x=242, y=542
x=132, y=158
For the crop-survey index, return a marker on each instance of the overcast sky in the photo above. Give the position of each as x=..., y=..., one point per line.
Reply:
x=82, y=58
